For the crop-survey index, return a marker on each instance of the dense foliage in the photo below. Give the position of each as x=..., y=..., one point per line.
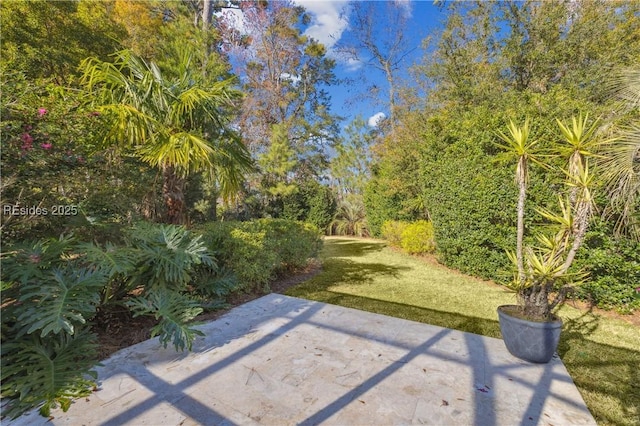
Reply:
x=412, y=237
x=256, y=252
x=54, y=288
x=442, y=162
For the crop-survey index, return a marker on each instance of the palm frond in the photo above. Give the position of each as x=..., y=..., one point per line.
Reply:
x=625, y=85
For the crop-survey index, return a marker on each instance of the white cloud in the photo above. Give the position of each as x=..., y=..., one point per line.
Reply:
x=294, y=79
x=328, y=20
x=406, y=6
x=234, y=18
x=352, y=64
x=375, y=119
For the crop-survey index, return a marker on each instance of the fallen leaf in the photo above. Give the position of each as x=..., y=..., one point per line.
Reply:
x=362, y=401
x=444, y=402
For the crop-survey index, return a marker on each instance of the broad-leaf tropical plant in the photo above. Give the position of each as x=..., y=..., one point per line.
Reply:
x=179, y=125
x=48, y=297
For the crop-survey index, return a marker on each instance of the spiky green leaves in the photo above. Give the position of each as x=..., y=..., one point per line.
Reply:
x=517, y=144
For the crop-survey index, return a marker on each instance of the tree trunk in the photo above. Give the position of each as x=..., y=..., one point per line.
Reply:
x=536, y=302
x=520, y=231
x=173, y=195
x=206, y=14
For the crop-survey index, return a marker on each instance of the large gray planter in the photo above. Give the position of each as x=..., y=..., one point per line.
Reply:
x=529, y=340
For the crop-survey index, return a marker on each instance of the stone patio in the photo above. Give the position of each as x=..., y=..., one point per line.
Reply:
x=280, y=360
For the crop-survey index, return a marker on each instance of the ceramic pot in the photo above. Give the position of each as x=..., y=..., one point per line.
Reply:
x=529, y=340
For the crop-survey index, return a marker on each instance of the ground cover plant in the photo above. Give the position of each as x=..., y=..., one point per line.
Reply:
x=600, y=352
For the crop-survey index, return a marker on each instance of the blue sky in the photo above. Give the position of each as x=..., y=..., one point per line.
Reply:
x=330, y=25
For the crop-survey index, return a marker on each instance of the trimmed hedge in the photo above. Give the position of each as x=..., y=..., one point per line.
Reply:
x=257, y=251
x=614, y=270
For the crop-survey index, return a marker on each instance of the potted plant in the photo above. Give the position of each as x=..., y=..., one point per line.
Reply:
x=543, y=279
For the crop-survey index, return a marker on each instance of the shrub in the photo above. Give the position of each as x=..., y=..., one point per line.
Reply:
x=350, y=219
x=417, y=238
x=614, y=270
x=47, y=351
x=257, y=251
x=51, y=290
x=392, y=232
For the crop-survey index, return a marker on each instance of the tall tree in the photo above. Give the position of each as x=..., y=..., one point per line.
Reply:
x=383, y=46
x=179, y=125
x=350, y=167
x=50, y=38
x=283, y=74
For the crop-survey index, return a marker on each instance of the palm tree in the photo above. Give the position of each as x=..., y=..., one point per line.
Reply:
x=621, y=165
x=350, y=219
x=179, y=125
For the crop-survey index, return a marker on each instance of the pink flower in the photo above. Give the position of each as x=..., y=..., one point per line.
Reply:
x=27, y=141
x=46, y=145
x=94, y=114
x=41, y=112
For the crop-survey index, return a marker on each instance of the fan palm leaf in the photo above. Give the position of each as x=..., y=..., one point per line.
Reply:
x=175, y=124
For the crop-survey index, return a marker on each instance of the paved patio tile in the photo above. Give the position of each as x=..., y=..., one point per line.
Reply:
x=280, y=360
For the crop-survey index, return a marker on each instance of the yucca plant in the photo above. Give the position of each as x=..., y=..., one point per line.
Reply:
x=543, y=278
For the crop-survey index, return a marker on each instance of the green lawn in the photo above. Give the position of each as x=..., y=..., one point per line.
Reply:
x=602, y=354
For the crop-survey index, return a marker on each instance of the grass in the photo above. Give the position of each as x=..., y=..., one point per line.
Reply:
x=602, y=354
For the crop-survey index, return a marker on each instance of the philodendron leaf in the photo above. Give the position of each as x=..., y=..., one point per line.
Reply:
x=66, y=299
x=174, y=310
x=47, y=371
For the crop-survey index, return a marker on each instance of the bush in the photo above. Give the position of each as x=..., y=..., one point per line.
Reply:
x=52, y=289
x=391, y=231
x=417, y=238
x=47, y=351
x=257, y=251
x=614, y=270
